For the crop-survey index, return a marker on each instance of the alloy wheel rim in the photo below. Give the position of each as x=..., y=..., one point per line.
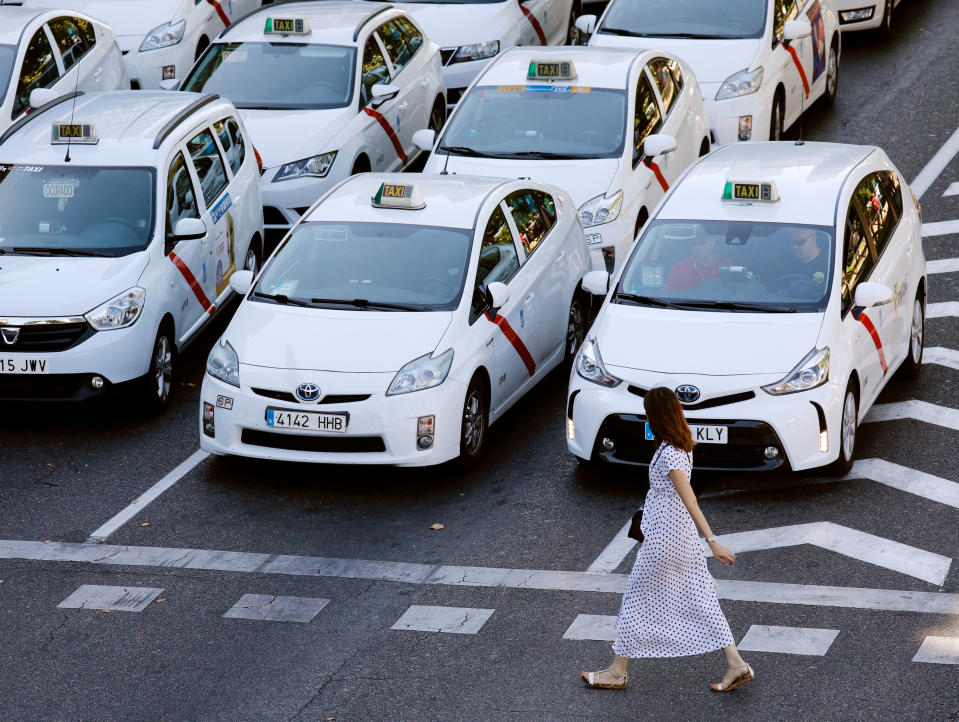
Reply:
x=887, y=19
x=832, y=73
x=849, y=426
x=250, y=263
x=777, y=122
x=163, y=361
x=473, y=423
x=915, y=335
x=574, y=331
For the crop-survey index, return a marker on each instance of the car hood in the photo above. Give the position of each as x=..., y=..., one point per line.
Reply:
x=284, y=136
x=318, y=339
x=460, y=23
x=126, y=17
x=42, y=286
x=582, y=179
x=710, y=344
x=711, y=60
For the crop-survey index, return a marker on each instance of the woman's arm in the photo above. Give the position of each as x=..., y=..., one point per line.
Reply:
x=685, y=490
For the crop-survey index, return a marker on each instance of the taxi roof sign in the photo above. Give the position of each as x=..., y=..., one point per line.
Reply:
x=82, y=133
x=395, y=195
x=551, y=70
x=287, y=26
x=750, y=191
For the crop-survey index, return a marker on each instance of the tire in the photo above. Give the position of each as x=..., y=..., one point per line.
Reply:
x=884, y=31
x=704, y=148
x=917, y=336
x=776, y=117
x=474, y=428
x=848, y=428
x=640, y=222
x=832, y=76
x=575, y=328
x=253, y=259
x=360, y=165
x=200, y=47
x=437, y=117
x=157, y=385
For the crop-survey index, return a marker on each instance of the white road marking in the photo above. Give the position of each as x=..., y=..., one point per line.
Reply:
x=788, y=640
x=597, y=627
x=410, y=573
x=614, y=553
x=936, y=165
x=941, y=356
x=116, y=599
x=453, y=620
x=914, y=409
x=939, y=228
x=952, y=190
x=938, y=650
x=136, y=506
x=943, y=265
x=944, y=309
x=271, y=608
x=912, y=481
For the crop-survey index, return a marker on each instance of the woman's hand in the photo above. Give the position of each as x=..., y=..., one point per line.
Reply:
x=723, y=553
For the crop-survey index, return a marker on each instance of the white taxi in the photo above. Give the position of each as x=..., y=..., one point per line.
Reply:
x=776, y=289
x=471, y=32
x=55, y=50
x=400, y=317
x=327, y=89
x=160, y=39
x=613, y=127
x=121, y=222
x=760, y=63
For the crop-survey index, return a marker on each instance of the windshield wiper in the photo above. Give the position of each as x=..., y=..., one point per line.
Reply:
x=643, y=300
x=544, y=155
x=282, y=298
x=48, y=251
x=695, y=36
x=265, y=107
x=734, y=306
x=364, y=303
x=464, y=150
x=620, y=31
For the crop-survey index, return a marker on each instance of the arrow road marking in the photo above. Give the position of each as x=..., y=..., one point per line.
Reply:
x=905, y=479
x=941, y=356
x=914, y=409
x=952, y=190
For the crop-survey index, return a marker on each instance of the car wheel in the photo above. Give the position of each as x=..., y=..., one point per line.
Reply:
x=158, y=382
x=832, y=75
x=252, y=260
x=575, y=328
x=475, y=424
x=917, y=334
x=776, y=118
x=847, y=431
x=884, y=31
x=360, y=165
x=437, y=117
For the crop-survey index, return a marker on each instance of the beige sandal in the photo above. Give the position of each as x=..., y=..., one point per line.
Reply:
x=591, y=679
x=748, y=676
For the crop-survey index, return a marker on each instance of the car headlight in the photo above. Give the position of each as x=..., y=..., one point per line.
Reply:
x=316, y=167
x=745, y=82
x=163, y=36
x=811, y=372
x=424, y=372
x=476, y=51
x=119, y=312
x=601, y=209
x=223, y=363
x=589, y=365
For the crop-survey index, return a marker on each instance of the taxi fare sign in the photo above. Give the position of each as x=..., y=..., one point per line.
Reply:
x=750, y=192
x=286, y=26
x=73, y=133
x=559, y=70
x=395, y=195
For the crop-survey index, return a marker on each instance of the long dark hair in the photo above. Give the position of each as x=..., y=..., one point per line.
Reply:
x=666, y=420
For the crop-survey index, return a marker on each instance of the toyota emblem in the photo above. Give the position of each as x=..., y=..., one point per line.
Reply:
x=687, y=393
x=308, y=392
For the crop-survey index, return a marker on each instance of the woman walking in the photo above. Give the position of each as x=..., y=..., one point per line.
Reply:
x=670, y=608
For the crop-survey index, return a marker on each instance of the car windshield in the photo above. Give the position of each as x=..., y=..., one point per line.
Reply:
x=730, y=266
x=686, y=19
x=369, y=266
x=75, y=210
x=8, y=53
x=280, y=76
x=538, y=121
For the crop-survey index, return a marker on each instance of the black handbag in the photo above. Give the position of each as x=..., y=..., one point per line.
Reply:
x=635, y=530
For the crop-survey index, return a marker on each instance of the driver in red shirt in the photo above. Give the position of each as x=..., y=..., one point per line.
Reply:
x=702, y=265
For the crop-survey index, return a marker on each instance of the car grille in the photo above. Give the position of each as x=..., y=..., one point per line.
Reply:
x=328, y=444
x=708, y=404
x=42, y=337
x=330, y=399
x=274, y=217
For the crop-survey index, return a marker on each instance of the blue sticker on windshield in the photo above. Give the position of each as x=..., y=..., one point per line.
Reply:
x=219, y=210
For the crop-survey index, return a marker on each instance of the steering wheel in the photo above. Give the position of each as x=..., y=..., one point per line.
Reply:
x=795, y=283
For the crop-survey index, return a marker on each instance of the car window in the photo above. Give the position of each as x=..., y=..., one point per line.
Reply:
x=878, y=211
x=228, y=131
x=665, y=80
x=180, y=195
x=647, y=119
x=39, y=71
x=414, y=38
x=534, y=215
x=86, y=29
x=374, y=70
x=497, y=260
x=394, y=39
x=699, y=19
x=208, y=164
x=858, y=257
x=71, y=41
x=783, y=11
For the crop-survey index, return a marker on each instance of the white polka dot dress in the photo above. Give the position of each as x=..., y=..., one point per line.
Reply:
x=670, y=608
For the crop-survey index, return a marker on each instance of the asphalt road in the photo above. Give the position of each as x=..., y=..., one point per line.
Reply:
x=869, y=559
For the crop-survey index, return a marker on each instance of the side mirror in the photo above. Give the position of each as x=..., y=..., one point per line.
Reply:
x=870, y=294
x=796, y=29
x=497, y=294
x=170, y=84
x=586, y=24
x=596, y=283
x=42, y=96
x=659, y=144
x=382, y=92
x=241, y=282
x=424, y=139
x=189, y=229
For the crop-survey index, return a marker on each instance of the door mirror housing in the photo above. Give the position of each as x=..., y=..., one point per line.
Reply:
x=796, y=30
x=170, y=84
x=659, y=144
x=382, y=92
x=869, y=295
x=189, y=229
x=41, y=96
x=586, y=24
x=596, y=283
x=497, y=294
x=241, y=282
x=424, y=139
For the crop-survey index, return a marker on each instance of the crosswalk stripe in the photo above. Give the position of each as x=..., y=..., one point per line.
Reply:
x=941, y=356
x=788, y=640
x=940, y=228
x=915, y=409
x=111, y=598
x=943, y=309
x=452, y=620
x=273, y=608
x=909, y=480
x=938, y=650
x=943, y=265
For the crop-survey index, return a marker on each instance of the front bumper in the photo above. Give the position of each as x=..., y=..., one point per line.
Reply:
x=458, y=76
x=146, y=69
x=723, y=115
x=873, y=21
x=380, y=429
x=286, y=201
x=609, y=243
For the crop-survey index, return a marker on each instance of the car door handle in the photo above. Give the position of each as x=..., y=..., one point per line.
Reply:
x=559, y=256
x=402, y=106
x=529, y=298
x=425, y=82
x=97, y=73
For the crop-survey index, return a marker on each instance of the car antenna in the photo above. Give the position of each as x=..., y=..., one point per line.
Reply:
x=446, y=162
x=76, y=87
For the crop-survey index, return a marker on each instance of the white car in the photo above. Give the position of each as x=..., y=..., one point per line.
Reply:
x=760, y=63
x=327, y=89
x=57, y=50
x=776, y=290
x=867, y=15
x=121, y=222
x=402, y=316
x=471, y=32
x=160, y=39
x=613, y=127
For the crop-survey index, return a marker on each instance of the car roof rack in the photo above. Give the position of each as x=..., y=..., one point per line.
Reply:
x=181, y=116
x=35, y=112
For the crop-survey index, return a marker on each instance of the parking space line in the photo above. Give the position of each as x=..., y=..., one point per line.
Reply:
x=915, y=409
x=138, y=504
x=911, y=481
x=936, y=165
x=614, y=553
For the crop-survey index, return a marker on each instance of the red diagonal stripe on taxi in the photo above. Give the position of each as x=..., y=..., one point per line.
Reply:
x=654, y=167
x=865, y=321
x=535, y=23
x=192, y=282
x=802, y=73
x=220, y=12
x=385, y=125
x=515, y=340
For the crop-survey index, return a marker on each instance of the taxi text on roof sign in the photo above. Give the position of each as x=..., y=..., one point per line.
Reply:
x=64, y=133
x=560, y=70
x=394, y=195
x=286, y=26
x=750, y=192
